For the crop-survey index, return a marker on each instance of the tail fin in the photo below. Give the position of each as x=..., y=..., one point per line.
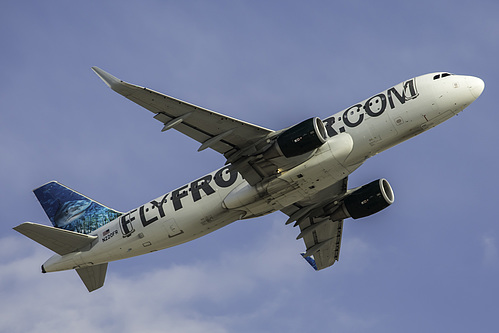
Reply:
x=70, y=210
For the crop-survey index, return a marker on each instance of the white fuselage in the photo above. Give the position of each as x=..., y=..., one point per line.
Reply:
x=223, y=196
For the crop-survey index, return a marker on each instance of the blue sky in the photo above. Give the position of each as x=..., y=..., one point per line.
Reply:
x=429, y=262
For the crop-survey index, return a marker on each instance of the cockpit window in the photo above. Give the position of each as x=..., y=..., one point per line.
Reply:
x=438, y=76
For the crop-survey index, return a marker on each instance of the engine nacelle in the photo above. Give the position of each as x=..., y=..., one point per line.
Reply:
x=366, y=200
x=301, y=138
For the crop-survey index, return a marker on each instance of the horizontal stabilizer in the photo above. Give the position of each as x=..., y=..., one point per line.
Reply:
x=93, y=276
x=58, y=240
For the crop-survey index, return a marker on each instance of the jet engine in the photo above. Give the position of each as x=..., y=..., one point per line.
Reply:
x=364, y=201
x=299, y=139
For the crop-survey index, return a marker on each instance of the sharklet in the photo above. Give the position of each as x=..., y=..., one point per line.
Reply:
x=111, y=81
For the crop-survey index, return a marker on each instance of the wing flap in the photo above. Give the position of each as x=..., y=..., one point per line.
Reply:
x=322, y=236
x=324, y=242
x=58, y=240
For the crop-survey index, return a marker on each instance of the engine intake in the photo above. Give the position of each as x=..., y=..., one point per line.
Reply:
x=302, y=138
x=365, y=201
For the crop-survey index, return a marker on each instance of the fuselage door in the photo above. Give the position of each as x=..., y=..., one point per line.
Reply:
x=172, y=228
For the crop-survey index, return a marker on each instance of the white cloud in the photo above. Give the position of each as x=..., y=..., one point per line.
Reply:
x=194, y=297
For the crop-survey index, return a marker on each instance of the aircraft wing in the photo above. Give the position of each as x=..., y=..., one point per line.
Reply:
x=213, y=130
x=322, y=236
x=323, y=241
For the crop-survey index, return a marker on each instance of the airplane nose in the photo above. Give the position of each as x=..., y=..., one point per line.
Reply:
x=475, y=85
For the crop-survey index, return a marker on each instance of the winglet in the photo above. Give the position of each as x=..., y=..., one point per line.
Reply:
x=310, y=260
x=112, y=81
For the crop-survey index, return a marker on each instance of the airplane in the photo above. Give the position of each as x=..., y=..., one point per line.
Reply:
x=301, y=171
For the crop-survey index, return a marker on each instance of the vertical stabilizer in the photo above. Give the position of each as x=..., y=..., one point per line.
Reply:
x=70, y=210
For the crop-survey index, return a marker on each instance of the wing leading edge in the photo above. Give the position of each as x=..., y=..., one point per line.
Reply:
x=241, y=143
x=222, y=133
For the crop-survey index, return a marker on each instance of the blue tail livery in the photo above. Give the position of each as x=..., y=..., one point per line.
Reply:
x=70, y=210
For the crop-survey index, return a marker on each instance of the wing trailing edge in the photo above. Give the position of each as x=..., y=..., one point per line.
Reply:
x=239, y=141
x=321, y=234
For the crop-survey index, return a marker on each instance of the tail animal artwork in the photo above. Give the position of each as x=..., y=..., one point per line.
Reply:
x=70, y=210
x=74, y=217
